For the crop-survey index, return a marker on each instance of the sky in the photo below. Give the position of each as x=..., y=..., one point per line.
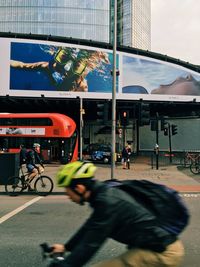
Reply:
x=175, y=29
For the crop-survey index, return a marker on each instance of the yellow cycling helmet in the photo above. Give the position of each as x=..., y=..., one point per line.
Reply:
x=75, y=170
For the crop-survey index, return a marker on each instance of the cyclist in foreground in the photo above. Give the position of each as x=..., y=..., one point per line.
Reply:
x=33, y=162
x=115, y=215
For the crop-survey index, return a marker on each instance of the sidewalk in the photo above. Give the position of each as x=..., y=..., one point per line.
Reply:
x=173, y=176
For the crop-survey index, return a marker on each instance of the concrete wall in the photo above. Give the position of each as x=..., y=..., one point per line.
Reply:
x=187, y=138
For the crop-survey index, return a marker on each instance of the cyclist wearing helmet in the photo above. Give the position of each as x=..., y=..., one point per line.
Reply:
x=118, y=216
x=32, y=161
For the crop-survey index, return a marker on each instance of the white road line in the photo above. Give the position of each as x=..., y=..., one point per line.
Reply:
x=14, y=212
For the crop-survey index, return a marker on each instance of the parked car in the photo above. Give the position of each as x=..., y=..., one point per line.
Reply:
x=99, y=153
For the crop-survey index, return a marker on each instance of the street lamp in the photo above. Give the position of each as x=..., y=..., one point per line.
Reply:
x=82, y=112
x=114, y=91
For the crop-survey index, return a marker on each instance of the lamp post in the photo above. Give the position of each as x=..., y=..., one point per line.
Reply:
x=81, y=128
x=114, y=92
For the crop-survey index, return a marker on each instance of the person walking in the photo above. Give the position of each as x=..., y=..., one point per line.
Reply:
x=126, y=154
x=115, y=215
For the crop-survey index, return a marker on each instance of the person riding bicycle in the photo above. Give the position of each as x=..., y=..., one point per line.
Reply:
x=22, y=155
x=32, y=162
x=115, y=215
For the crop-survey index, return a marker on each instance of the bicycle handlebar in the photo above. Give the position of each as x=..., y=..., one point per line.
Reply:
x=46, y=248
x=53, y=259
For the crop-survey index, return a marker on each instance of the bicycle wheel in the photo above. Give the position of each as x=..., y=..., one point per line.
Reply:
x=43, y=185
x=195, y=168
x=14, y=186
x=187, y=162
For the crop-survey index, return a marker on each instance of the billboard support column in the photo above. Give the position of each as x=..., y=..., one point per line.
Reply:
x=114, y=92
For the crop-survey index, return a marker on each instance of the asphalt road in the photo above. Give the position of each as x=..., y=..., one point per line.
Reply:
x=35, y=220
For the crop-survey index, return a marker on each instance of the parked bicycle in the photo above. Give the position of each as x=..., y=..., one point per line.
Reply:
x=195, y=167
x=190, y=158
x=43, y=184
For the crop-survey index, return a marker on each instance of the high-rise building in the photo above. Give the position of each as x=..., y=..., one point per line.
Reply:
x=136, y=16
x=84, y=19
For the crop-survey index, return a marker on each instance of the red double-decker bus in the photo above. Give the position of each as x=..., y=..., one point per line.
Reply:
x=55, y=132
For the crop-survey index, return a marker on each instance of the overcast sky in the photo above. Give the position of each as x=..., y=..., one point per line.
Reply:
x=175, y=29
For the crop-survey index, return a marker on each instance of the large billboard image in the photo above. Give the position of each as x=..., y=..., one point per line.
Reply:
x=33, y=68
x=59, y=68
x=143, y=76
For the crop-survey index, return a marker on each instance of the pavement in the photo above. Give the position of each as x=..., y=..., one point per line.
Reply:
x=172, y=175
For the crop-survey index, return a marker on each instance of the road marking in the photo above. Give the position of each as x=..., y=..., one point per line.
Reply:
x=190, y=194
x=14, y=212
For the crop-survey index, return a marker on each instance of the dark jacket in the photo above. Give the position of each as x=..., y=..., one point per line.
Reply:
x=33, y=158
x=22, y=156
x=116, y=215
x=126, y=153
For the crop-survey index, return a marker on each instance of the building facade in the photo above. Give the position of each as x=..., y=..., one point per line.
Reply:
x=83, y=19
x=133, y=23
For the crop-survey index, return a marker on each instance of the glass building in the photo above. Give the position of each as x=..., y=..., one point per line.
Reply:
x=137, y=23
x=84, y=19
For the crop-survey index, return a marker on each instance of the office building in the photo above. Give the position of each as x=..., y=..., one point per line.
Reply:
x=84, y=19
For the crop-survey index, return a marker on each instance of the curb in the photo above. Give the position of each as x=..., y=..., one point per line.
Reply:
x=186, y=188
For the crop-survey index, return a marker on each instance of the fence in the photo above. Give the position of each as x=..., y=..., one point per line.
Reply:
x=184, y=158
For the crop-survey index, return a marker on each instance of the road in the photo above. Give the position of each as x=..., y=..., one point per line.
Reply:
x=35, y=220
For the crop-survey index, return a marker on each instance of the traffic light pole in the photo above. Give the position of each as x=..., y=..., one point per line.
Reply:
x=157, y=144
x=114, y=92
x=170, y=143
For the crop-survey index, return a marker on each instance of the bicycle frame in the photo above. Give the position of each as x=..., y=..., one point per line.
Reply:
x=190, y=158
x=193, y=156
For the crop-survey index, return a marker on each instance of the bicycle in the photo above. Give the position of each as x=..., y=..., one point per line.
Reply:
x=190, y=158
x=195, y=167
x=43, y=184
x=52, y=259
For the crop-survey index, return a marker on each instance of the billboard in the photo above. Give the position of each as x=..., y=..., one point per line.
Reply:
x=33, y=68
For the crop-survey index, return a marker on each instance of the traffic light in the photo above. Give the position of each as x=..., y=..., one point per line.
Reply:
x=166, y=131
x=124, y=117
x=174, y=129
x=164, y=127
x=144, y=114
x=164, y=124
x=102, y=112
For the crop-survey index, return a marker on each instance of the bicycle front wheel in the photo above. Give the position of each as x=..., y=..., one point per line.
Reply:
x=14, y=186
x=43, y=185
x=195, y=168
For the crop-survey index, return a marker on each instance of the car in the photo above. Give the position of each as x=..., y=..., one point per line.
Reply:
x=102, y=154
x=88, y=150
x=99, y=153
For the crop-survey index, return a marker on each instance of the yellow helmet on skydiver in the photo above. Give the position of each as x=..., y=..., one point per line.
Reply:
x=75, y=170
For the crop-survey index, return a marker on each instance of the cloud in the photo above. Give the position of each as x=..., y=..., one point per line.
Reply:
x=175, y=29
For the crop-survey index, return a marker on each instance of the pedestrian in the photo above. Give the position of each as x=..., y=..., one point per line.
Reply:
x=115, y=215
x=126, y=154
